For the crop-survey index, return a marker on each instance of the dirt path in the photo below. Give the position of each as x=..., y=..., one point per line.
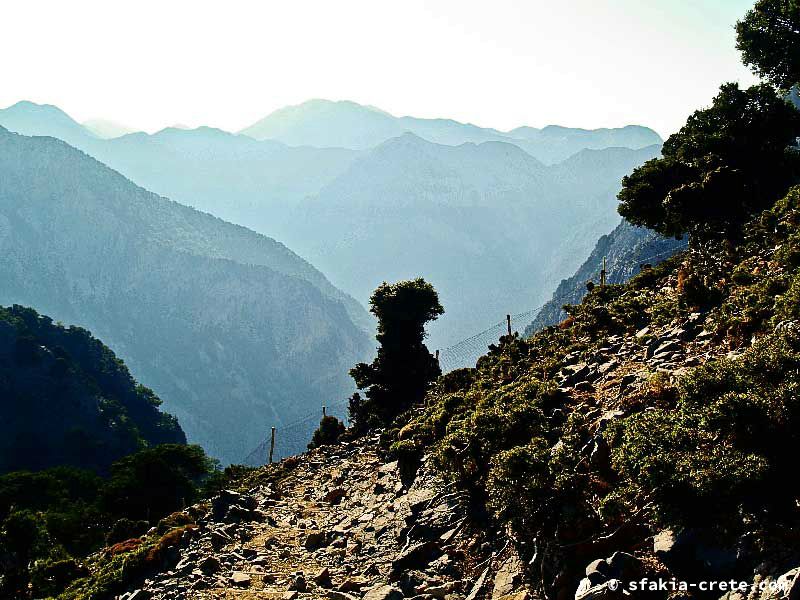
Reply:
x=338, y=524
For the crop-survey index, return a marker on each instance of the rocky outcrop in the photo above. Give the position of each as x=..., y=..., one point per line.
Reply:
x=337, y=523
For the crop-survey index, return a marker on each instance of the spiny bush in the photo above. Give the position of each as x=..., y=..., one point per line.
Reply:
x=727, y=446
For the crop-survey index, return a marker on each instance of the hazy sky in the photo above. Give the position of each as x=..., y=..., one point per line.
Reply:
x=503, y=63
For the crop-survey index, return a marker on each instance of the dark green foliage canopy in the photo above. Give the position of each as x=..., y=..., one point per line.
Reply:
x=769, y=39
x=50, y=516
x=157, y=481
x=404, y=367
x=729, y=162
x=328, y=432
x=68, y=400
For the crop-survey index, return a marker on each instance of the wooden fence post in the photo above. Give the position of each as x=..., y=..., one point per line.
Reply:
x=271, y=445
x=603, y=273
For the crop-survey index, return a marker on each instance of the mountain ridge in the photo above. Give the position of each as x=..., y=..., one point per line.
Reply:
x=176, y=304
x=348, y=124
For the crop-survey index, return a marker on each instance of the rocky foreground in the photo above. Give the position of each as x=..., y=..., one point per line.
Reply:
x=341, y=523
x=337, y=523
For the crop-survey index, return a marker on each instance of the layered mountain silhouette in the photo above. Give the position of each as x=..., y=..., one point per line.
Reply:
x=234, y=331
x=490, y=226
x=474, y=211
x=345, y=124
x=235, y=177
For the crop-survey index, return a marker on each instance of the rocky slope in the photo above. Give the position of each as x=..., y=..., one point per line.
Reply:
x=339, y=522
x=234, y=331
x=625, y=249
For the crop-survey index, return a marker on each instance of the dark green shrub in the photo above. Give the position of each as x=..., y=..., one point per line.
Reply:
x=51, y=577
x=329, y=430
x=125, y=529
x=727, y=445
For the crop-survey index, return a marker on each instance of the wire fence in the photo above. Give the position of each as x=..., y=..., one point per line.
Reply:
x=292, y=438
x=466, y=352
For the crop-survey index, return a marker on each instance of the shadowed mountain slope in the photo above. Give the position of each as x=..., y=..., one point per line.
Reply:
x=233, y=331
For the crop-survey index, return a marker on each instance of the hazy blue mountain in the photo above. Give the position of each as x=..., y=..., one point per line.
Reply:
x=234, y=331
x=44, y=119
x=555, y=143
x=235, y=177
x=497, y=228
x=484, y=223
x=626, y=249
x=345, y=124
x=106, y=129
x=68, y=400
x=323, y=123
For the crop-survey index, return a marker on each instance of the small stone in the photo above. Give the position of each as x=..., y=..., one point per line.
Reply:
x=314, y=540
x=418, y=555
x=239, y=579
x=663, y=542
x=508, y=577
x=298, y=583
x=220, y=538
x=335, y=495
x=383, y=592
x=323, y=577
x=352, y=585
x=209, y=565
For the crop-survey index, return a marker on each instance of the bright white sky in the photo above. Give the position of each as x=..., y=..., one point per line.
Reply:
x=504, y=63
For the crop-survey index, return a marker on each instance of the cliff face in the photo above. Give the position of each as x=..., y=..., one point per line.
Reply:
x=626, y=249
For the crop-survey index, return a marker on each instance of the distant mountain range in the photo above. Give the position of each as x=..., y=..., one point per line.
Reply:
x=492, y=226
x=344, y=124
x=235, y=177
x=234, y=331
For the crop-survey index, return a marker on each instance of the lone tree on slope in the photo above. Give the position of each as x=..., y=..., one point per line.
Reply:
x=404, y=368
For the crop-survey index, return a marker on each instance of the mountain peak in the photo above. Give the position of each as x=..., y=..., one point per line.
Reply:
x=31, y=118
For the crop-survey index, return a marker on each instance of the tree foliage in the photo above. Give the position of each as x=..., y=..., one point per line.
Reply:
x=95, y=411
x=328, y=432
x=726, y=164
x=400, y=374
x=769, y=39
x=50, y=516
